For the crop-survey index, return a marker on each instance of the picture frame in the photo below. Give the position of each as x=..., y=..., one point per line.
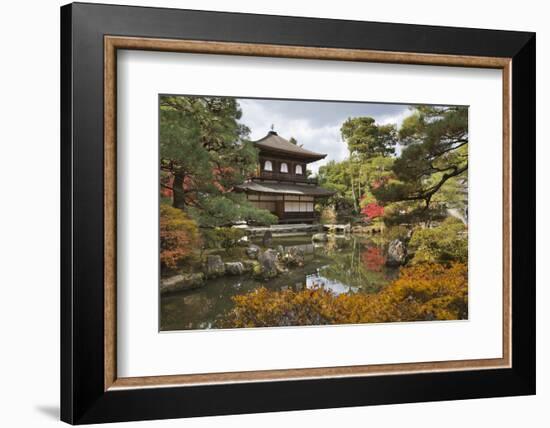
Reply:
x=91, y=391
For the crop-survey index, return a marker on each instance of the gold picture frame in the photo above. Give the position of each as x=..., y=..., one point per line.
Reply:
x=114, y=43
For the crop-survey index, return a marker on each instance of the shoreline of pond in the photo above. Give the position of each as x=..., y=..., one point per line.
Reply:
x=345, y=264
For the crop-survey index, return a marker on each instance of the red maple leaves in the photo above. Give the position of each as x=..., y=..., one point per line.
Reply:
x=372, y=210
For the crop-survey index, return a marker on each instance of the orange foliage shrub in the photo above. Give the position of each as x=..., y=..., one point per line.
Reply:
x=179, y=235
x=421, y=293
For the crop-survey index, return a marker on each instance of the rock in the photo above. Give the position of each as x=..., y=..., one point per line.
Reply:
x=280, y=250
x=319, y=237
x=397, y=253
x=253, y=251
x=267, y=239
x=187, y=281
x=268, y=264
x=234, y=268
x=244, y=241
x=294, y=256
x=214, y=266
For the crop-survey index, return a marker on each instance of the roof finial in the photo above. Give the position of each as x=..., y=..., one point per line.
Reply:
x=272, y=131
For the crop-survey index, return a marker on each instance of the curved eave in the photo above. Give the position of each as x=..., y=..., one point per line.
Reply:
x=308, y=157
x=285, y=188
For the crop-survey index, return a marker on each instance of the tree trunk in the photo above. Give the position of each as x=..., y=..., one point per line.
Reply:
x=352, y=172
x=353, y=195
x=178, y=200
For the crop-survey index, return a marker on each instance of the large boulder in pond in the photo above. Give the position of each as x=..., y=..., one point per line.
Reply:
x=234, y=268
x=253, y=251
x=319, y=237
x=397, y=253
x=184, y=281
x=214, y=266
x=268, y=264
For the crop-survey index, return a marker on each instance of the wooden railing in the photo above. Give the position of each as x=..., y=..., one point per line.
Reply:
x=267, y=175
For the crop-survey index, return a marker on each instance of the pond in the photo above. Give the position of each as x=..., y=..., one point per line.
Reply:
x=347, y=264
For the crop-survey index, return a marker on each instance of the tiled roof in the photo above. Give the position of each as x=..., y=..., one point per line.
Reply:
x=273, y=142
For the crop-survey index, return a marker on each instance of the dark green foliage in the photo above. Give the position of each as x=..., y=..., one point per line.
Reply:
x=337, y=176
x=222, y=237
x=397, y=232
x=413, y=212
x=436, y=151
x=366, y=139
x=204, y=154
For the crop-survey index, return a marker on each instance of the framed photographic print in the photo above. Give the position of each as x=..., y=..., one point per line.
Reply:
x=265, y=213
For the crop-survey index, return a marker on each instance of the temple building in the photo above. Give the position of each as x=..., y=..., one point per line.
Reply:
x=281, y=184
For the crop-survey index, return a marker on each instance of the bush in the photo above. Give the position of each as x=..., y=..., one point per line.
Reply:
x=445, y=243
x=421, y=293
x=223, y=237
x=397, y=232
x=179, y=236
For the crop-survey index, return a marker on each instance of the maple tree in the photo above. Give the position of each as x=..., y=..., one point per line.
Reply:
x=179, y=236
x=372, y=210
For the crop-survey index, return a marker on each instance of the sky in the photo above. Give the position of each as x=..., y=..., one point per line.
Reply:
x=315, y=124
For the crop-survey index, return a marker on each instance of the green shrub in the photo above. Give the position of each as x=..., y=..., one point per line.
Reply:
x=445, y=243
x=397, y=232
x=222, y=237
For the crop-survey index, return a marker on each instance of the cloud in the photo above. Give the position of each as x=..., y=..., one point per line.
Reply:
x=315, y=124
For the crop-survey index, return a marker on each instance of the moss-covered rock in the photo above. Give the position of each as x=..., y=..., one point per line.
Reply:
x=181, y=282
x=234, y=268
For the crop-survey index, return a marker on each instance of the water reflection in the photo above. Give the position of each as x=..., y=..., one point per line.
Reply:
x=341, y=265
x=317, y=280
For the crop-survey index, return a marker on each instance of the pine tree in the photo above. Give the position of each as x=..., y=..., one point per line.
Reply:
x=204, y=153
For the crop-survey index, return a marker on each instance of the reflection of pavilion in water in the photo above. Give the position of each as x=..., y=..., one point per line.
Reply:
x=317, y=280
